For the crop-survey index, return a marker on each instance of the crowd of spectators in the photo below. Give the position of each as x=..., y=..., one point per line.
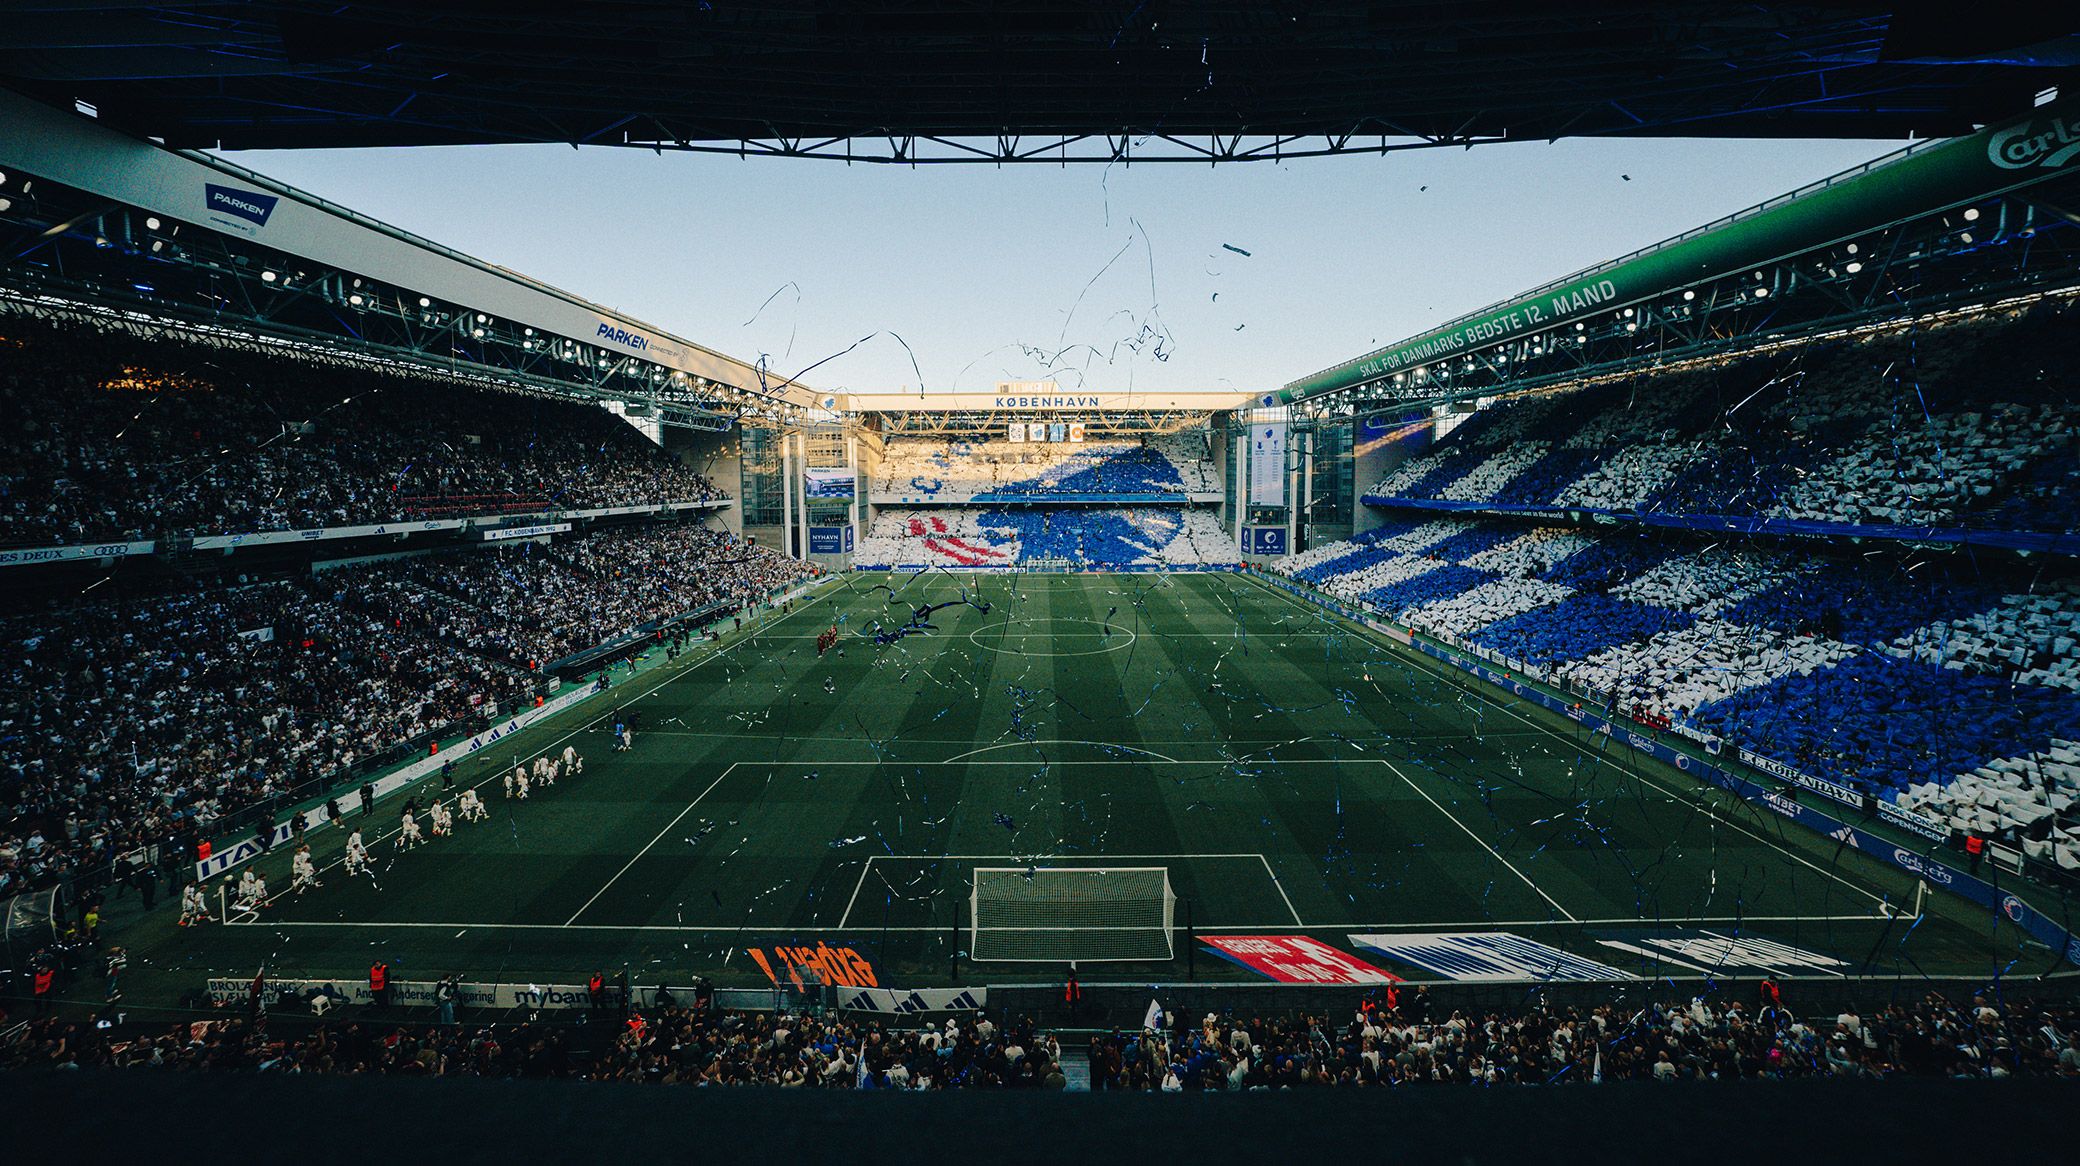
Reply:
x=1409, y=1044
x=1171, y=463
x=1096, y=538
x=535, y=603
x=1946, y=686
x=665, y=1046
x=137, y=719
x=1703, y=1039
x=1965, y=424
x=119, y=439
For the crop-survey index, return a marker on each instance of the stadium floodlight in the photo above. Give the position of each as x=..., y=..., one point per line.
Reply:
x=151, y=224
x=1689, y=294
x=355, y=299
x=1762, y=293
x=1971, y=214
x=6, y=204
x=424, y=302
x=1853, y=268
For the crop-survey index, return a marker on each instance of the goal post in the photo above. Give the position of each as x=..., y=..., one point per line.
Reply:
x=1026, y=914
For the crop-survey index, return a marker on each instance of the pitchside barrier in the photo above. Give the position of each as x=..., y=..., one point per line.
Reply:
x=233, y=854
x=298, y=993
x=1925, y=867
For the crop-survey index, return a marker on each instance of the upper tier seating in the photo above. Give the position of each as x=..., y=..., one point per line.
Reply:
x=1968, y=424
x=122, y=440
x=936, y=467
x=1094, y=537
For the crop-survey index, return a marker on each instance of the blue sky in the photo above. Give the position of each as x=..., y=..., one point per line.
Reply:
x=1105, y=279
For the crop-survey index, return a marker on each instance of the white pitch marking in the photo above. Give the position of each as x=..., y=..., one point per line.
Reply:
x=1483, y=842
x=654, y=841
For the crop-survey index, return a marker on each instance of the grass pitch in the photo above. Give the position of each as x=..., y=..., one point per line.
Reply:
x=1294, y=774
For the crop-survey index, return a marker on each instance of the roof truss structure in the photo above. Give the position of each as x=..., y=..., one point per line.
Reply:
x=1006, y=82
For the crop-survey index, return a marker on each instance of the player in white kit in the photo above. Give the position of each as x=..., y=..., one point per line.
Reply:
x=194, y=907
x=408, y=834
x=246, y=897
x=357, y=854
x=239, y=895
x=472, y=806
x=303, y=873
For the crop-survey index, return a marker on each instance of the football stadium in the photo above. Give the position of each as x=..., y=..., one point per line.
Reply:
x=1668, y=672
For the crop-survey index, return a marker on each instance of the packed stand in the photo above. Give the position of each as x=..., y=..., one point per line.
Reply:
x=1962, y=424
x=120, y=439
x=536, y=603
x=667, y=1046
x=1411, y=1042
x=1951, y=689
x=948, y=470
x=1096, y=538
x=136, y=720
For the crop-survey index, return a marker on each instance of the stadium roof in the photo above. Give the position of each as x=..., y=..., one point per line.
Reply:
x=1025, y=80
x=95, y=221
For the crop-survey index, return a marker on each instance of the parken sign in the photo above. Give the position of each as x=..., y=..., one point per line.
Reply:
x=614, y=334
x=233, y=207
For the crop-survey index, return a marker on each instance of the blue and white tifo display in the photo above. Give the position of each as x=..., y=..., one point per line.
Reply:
x=833, y=483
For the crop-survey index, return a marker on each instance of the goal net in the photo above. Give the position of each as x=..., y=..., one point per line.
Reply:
x=1057, y=914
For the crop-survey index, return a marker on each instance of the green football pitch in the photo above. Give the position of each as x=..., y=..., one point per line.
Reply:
x=1290, y=772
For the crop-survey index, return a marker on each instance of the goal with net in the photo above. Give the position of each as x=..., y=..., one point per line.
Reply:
x=1057, y=914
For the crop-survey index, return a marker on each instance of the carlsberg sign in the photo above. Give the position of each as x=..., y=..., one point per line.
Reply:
x=2044, y=143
